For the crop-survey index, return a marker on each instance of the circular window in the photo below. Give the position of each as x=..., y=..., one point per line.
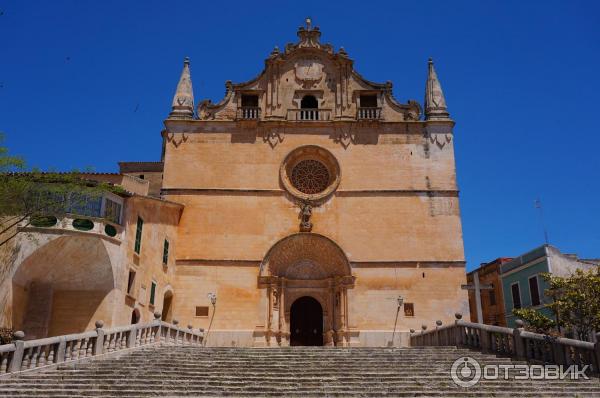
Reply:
x=110, y=230
x=83, y=224
x=310, y=176
x=310, y=173
x=43, y=221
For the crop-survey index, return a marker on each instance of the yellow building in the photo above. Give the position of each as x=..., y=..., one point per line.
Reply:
x=308, y=200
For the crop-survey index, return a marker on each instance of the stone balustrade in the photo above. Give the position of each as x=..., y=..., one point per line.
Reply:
x=248, y=113
x=368, y=113
x=309, y=115
x=24, y=355
x=516, y=343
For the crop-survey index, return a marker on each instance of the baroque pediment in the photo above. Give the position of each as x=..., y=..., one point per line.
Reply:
x=309, y=68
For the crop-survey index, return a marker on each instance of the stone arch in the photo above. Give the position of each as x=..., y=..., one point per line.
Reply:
x=306, y=264
x=167, y=305
x=63, y=287
x=304, y=256
x=136, y=316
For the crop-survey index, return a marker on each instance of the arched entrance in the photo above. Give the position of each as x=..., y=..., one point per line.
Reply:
x=300, y=268
x=306, y=322
x=63, y=287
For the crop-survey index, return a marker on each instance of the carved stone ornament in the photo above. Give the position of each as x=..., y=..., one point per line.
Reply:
x=309, y=71
x=273, y=136
x=440, y=139
x=305, y=269
x=305, y=214
x=171, y=138
x=344, y=136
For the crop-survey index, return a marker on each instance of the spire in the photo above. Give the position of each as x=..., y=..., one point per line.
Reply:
x=183, y=101
x=435, y=104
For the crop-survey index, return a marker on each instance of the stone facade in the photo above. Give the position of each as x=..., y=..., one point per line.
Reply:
x=308, y=180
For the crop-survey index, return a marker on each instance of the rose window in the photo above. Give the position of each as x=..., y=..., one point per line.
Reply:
x=310, y=173
x=310, y=176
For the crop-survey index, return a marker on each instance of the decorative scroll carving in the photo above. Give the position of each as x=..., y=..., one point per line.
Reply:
x=300, y=247
x=305, y=269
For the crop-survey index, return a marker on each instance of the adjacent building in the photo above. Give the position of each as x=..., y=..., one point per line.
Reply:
x=491, y=297
x=523, y=285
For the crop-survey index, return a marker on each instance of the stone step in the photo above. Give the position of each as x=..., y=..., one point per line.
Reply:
x=170, y=371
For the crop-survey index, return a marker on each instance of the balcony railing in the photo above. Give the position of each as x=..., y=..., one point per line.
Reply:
x=249, y=113
x=368, y=114
x=309, y=115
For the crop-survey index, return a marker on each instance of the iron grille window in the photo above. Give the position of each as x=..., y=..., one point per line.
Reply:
x=409, y=309
x=166, y=252
x=138, y=235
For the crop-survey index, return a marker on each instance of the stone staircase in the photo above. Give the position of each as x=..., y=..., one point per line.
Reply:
x=175, y=371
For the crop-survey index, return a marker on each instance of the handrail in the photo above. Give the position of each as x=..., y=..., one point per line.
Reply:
x=516, y=343
x=23, y=355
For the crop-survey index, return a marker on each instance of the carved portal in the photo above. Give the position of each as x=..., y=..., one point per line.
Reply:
x=306, y=264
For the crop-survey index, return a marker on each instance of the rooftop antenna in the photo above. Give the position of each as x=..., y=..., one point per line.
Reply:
x=538, y=205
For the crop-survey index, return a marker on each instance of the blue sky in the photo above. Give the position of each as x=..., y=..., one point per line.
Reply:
x=88, y=83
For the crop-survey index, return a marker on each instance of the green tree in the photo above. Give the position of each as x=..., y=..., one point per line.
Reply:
x=534, y=320
x=25, y=196
x=576, y=301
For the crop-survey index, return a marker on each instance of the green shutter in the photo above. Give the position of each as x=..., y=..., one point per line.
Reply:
x=166, y=252
x=152, y=292
x=138, y=235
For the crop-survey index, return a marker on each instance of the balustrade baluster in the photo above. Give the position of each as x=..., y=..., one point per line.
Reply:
x=83, y=348
x=35, y=354
x=3, y=363
x=52, y=351
x=26, y=359
x=44, y=352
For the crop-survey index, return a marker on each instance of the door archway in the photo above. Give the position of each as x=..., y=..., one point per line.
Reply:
x=167, y=312
x=135, y=316
x=306, y=322
x=312, y=265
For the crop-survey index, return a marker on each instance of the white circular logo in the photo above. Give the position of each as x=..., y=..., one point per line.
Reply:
x=465, y=372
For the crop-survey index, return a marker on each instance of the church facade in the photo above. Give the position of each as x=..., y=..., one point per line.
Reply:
x=307, y=207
